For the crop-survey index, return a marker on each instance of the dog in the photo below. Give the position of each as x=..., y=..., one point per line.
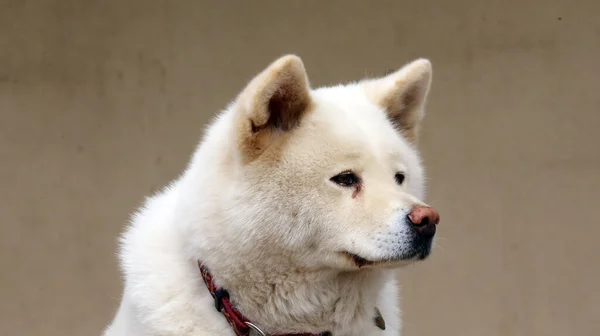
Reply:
x=292, y=216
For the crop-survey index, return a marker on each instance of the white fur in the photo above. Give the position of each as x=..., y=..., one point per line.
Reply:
x=271, y=229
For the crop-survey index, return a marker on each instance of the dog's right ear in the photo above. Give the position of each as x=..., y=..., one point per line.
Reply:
x=272, y=104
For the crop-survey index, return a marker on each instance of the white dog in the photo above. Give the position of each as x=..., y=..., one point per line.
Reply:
x=291, y=217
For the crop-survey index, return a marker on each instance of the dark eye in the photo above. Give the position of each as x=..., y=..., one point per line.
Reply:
x=399, y=178
x=346, y=179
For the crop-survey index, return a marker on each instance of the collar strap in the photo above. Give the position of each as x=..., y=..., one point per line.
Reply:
x=241, y=325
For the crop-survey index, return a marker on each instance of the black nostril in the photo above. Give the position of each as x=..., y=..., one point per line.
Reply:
x=424, y=221
x=425, y=229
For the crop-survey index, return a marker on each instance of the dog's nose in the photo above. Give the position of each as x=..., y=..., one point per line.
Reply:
x=424, y=219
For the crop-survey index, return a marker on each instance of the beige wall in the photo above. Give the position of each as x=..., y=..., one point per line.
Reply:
x=102, y=102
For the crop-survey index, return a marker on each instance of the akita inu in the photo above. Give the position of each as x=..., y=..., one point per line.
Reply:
x=297, y=206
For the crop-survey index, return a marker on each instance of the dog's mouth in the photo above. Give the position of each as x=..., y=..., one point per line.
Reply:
x=358, y=260
x=362, y=262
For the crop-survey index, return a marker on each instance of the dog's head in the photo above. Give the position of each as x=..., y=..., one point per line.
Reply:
x=330, y=177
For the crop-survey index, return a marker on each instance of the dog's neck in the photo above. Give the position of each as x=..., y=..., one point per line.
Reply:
x=302, y=300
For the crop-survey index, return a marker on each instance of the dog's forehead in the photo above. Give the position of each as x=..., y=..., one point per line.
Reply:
x=347, y=115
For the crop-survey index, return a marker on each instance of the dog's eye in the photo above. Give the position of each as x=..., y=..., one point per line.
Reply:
x=399, y=178
x=346, y=179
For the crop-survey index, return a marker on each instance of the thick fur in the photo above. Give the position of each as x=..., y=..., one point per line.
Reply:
x=257, y=206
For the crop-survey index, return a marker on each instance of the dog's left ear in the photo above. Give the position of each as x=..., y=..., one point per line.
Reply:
x=403, y=95
x=272, y=104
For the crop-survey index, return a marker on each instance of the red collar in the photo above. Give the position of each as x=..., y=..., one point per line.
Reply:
x=241, y=325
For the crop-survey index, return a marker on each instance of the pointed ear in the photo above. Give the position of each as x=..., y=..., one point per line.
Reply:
x=403, y=95
x=273, y=103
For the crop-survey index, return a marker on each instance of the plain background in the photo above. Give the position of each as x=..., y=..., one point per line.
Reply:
x=102, y=102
